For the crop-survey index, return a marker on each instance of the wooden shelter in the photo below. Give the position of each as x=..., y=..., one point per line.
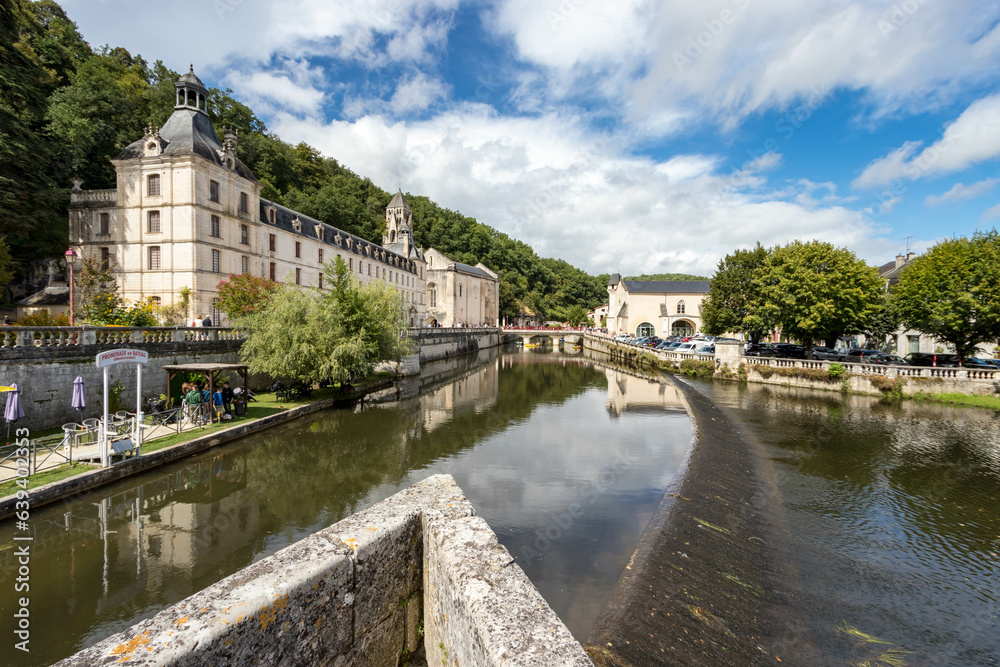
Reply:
x=209, y=370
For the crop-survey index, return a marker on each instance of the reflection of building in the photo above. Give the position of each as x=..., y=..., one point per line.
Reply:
x=459, y=294
x=187, y=212
x=628, y=393
x=474, y=392
x=660, y=307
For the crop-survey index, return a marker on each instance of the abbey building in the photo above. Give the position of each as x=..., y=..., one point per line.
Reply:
x=186, y=213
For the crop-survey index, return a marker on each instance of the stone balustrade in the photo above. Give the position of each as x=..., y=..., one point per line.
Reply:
x=23, y=338
x=879, y=369
x=94, y=197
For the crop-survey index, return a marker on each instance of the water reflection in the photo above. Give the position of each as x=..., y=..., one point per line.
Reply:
x=566, y=481
x=893, y=522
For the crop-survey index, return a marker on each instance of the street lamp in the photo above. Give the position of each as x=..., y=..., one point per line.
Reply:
x=70, y=256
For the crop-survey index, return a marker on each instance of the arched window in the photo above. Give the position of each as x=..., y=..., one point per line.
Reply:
x=645, y=329
x=680, y=307
x=432, y=294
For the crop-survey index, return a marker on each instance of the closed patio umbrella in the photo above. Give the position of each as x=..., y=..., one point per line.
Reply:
x=13, y=411
x=79, y=398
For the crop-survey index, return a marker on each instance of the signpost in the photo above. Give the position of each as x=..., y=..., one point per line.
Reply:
x=105, y=360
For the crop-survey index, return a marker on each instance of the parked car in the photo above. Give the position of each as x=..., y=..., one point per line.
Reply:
x=790, y=351
x=761, y=350
x=858, y=356
x=886, y=359
x=828, y=354
x=687, y=348
x=638, y=341
x=932, y=359
x=981, y=364
x=995, y=362
x=706, y=349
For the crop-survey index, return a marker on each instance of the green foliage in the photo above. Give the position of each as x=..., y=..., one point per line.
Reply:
x=817, y=374
x=835, y=370
x=885, y=321
x=891, y=387
x=43, y=318
x=953, y=292
x=242, y=295
x=97, y=290
x=735, y=303
x=697, y=368
x=815, y=291
x=115, y=397
x=6, y=273
x=340, y=334
x=662, y=276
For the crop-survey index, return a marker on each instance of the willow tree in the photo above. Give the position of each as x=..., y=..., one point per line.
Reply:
x=815, y=291
x=340, y=333
x=953, y=292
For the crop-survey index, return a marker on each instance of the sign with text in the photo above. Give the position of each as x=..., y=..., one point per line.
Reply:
x=123, y=356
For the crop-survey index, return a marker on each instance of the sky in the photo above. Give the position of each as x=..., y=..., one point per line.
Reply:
x=630, y=136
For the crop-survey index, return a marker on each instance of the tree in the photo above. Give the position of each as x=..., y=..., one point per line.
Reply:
x=97, y=290
x=815, y=291
x=6, y=274
x=884, y=322
x=953, y=292
x=339, y=334
x=735, y=302
x=243, y=294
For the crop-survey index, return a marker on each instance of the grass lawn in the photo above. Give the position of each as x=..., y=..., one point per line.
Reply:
x=990, y=402
x=264, y=406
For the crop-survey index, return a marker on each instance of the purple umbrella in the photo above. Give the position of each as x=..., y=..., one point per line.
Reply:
x=13, y=411
x=79, y=398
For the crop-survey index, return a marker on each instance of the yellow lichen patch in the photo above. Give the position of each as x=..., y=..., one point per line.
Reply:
x=352, y=543
x=183, y=619
x=128, y=648
x=372, y=528
x=319, y=622
x=268, y=614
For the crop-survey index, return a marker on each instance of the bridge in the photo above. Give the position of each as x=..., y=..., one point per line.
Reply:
x=528, y=334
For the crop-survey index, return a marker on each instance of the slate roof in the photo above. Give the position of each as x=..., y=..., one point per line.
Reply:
x=667, y=286
x=284, y=216
x=187, y=131
x=891, y=273
x=472, y=270
x=398, y=201
x=614, y=279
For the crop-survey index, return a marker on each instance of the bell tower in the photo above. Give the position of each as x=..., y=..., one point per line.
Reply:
x=398, y=223
x=191, y=93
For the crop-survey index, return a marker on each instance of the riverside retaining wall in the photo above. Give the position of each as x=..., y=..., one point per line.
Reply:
x=359, y=593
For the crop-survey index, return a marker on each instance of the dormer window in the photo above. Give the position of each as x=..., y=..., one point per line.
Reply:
x=297, y=224
x=319, y=232
x=272, y=214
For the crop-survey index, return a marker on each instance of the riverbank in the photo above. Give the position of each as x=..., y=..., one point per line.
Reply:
x=77, y=479
x=701, y=586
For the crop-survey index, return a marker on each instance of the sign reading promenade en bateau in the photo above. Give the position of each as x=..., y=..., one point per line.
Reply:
x=123, y=356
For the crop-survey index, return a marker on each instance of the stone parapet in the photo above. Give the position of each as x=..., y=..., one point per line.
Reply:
x=358, y=593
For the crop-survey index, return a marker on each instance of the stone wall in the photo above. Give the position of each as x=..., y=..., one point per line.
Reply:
x=361, y=592
x=441, y=343
x=45, y=376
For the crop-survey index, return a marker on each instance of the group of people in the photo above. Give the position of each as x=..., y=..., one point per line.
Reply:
x=199, y=404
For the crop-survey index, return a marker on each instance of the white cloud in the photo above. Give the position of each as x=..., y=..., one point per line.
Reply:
x=972, y=138
x=961, y=192
x=990, y=214
x=276, y=91
x=417, y=93
x=543, y=181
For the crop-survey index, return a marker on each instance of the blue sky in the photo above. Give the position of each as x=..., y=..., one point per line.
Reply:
x=631, y=136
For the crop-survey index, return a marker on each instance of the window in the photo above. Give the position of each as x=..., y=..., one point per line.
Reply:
x=105, y=224
x=154, y=222
x=298, y=249
x=155, y=300
x=272, y=242
x=298, y=276
x=369, y=268
x=390, y=276
x=320, y=255
x=105, y=258
x=215, y=226
x=350, y=263
x=244, y=235
x=270, y=215
x=321, y=281
x=432, y=291
x=216, y=317
x=645, y=329
x=244, y=203
x=213, y=191
x=244, y=264
x=680, y=307
x=460, y=290
x=154, y=258
x=913, y=343
x=216, y=261
x=153, y=185
x=273, y=271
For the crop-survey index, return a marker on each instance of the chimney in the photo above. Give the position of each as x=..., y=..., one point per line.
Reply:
x=900, y=260
x=910, y=255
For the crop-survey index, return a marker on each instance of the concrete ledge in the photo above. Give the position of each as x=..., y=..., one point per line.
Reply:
x=80, y=484
x=351, y=595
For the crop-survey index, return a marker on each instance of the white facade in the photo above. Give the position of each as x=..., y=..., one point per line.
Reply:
x=459, y=294
x=663, y=308
x=187, y=213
